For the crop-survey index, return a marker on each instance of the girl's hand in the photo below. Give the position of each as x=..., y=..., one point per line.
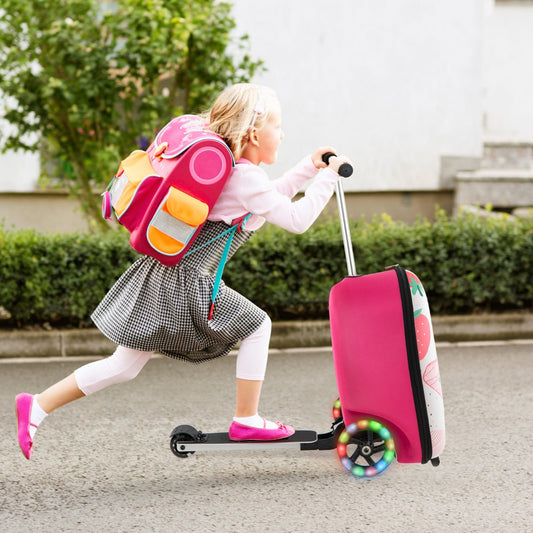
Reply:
x=319, y=152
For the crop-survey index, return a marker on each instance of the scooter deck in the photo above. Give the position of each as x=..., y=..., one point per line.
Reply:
x=221, y=441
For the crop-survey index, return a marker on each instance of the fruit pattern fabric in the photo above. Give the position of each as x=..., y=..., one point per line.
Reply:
x=429, y=367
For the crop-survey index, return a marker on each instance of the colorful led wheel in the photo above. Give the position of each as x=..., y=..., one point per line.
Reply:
x=336, y=411
x=365, y=448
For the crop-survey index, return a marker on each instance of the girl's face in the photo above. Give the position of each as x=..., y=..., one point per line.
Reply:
x=270, y=136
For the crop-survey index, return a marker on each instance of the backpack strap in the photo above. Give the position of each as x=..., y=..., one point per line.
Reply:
x=237, y=226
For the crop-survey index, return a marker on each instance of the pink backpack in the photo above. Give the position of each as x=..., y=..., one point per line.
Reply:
x=164, y=195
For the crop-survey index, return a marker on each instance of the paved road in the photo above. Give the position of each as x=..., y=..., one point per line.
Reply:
x=104, y=463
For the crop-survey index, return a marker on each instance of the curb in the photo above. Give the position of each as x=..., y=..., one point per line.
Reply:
x=459, y=328
x=289, y=334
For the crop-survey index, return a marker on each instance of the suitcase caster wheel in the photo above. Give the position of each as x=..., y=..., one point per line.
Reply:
x=336, y=410
x=365, y=448
x=182, y=433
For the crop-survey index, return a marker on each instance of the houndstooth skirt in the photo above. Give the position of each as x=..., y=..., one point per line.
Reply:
x=153, y=307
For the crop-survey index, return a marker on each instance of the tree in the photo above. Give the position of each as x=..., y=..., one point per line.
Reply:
x=93, y=79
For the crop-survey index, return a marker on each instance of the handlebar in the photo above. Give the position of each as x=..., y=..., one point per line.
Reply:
x=345, y=169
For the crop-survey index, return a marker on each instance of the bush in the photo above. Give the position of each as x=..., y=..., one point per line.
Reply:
x=467, y=264
x=60, y=278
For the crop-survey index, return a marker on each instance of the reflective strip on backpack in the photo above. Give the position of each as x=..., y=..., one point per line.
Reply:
x=172, y=227
x=117, y=188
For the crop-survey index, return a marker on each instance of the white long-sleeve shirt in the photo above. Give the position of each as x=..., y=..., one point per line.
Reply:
x=249, y=190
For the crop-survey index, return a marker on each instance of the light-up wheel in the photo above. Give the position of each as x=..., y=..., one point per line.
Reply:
x=336, y=410
x=365, y=448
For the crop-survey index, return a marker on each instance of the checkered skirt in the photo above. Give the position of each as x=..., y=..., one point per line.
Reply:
x=153, y=307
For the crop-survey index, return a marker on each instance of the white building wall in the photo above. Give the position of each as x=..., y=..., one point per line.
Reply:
x=508, y=72
x=394, y=85
x=19, y=171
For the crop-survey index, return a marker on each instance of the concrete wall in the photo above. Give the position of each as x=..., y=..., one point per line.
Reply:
x=48, y=211
x=508, y=75
x=396, y=85
x=407, y=89
x=56, y=212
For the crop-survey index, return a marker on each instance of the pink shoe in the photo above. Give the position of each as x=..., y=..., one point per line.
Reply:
x=241, y=432
x=23, y=403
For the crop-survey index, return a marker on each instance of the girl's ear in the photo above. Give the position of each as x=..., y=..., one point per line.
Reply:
x=253, y=138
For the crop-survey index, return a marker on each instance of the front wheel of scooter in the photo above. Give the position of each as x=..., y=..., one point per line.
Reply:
x=182, y=433
x=365, y=448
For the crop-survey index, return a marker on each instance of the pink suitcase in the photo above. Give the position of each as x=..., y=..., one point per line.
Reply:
x=386, y=367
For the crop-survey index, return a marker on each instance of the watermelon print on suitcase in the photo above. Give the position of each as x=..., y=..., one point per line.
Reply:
x=386, y=366
x=429, y=366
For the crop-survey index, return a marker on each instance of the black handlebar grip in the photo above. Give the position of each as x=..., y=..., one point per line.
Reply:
x=345, y=170
x=327, y=156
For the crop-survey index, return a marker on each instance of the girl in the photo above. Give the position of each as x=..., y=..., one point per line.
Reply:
x=154, y=307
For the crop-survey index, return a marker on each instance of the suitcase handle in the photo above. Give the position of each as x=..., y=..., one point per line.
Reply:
x=345, y=170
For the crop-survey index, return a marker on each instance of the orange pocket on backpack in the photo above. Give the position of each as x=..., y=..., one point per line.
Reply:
x=186, y=208
x=176, y=221
x=131, y=173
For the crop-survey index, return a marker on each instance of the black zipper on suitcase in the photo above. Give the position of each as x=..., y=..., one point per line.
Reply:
x=414, y=365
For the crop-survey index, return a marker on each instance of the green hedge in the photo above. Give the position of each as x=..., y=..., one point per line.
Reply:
x=60, y=278
x=467, y=264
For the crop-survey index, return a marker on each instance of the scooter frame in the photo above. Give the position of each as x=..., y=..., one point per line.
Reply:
x=364, y=451
x=185, y=440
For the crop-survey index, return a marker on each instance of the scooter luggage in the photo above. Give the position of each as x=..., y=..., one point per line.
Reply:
x=385, y=365
x=387, y=376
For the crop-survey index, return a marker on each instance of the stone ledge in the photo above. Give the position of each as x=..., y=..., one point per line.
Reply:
x=500, y=188
x=290, y=334
x=495, y=175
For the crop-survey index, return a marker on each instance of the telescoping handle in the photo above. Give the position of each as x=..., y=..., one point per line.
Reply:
x=345, y=170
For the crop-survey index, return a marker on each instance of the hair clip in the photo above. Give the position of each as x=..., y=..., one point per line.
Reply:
x=258, y=109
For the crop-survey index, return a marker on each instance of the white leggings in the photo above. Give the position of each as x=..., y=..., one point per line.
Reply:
x=126, y=363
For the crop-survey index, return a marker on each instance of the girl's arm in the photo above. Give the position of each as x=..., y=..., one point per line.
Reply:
x=262, y=198
x=293, y=180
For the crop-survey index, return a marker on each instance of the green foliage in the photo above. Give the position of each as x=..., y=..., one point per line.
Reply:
x=59, y=278
x=467, y=264
x=91, y=80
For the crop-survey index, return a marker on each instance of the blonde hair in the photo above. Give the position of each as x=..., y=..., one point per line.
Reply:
x=235, y=111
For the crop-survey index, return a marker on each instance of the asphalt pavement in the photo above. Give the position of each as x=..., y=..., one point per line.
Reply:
x=104, y=463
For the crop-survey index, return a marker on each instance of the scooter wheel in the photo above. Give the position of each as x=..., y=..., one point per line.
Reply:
x=365, y=448
x=336, y=410
x=180, y=434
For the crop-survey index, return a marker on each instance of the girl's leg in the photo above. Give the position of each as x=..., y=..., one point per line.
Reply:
x=252, y=357
x=248, y=394
x=122, y=366
x=251, y=367
x=61, y=393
